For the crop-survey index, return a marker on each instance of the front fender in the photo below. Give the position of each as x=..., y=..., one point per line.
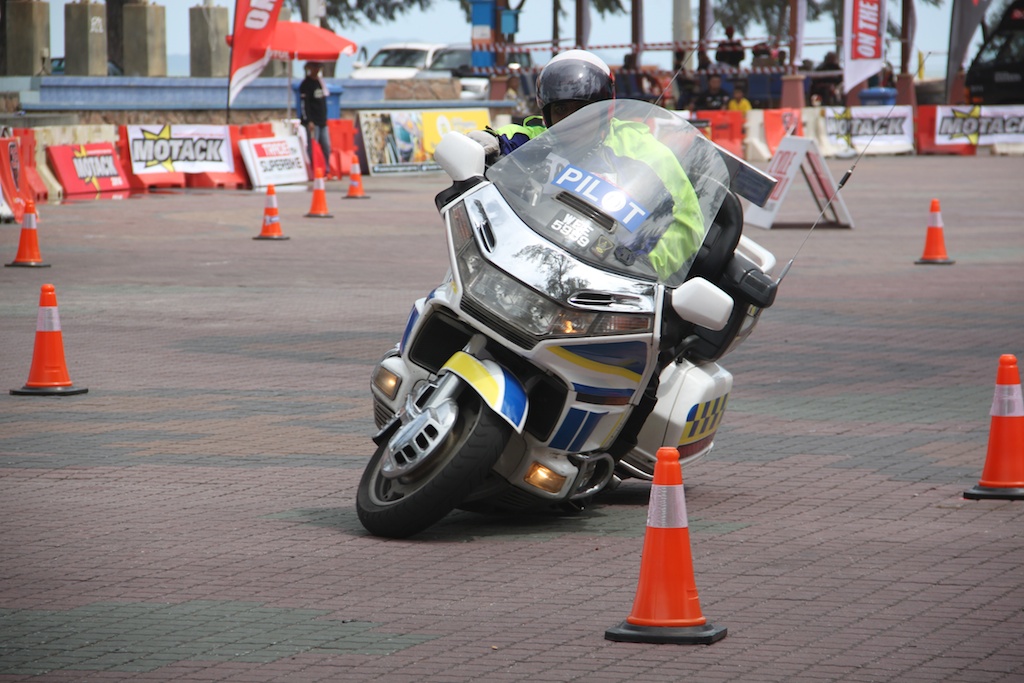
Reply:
x=498, y=387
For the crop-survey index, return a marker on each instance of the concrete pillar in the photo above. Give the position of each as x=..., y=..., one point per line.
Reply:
x=28, y=38
x=906, y=93
x=209, y=52
x=278, y=68
x=793, y=91
x=145, y=40
x=85, y=39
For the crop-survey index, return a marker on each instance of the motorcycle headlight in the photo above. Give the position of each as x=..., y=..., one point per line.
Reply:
x=526, y=309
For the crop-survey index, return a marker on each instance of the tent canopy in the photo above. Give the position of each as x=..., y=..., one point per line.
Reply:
x=299, y=40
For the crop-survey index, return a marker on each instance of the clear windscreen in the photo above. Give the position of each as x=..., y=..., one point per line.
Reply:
x=623, y=185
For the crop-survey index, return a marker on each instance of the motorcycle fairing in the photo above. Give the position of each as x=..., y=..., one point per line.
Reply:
x=499, y=389
x=703, y=419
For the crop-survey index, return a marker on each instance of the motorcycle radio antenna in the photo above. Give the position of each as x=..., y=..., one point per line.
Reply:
x=839, y=186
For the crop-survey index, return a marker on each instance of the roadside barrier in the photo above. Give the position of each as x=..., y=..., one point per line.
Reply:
x=236, y=180
x=318, y=208
x=48, y=375
x=1003, y=475
x=934, y=242
x=32, y=184
x=343, y=146
x=726, y=128
x=144, y=181
x=271, y=220
x=924, y=135
x=666, y=608
x=355, y=185
x=28, y=243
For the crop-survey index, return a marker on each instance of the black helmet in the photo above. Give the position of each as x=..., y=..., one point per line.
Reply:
x=573, y=75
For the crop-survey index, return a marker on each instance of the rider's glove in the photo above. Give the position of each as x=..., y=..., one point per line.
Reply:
x=485, y=140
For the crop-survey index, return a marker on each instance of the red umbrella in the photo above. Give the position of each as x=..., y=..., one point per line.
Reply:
x=299, y=40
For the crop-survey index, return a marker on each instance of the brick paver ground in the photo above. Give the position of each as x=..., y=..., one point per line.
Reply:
x=192, y=517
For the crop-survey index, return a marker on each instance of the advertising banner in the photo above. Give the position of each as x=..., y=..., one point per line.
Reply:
x=863, y=40
x=180, y=149
x=87, y=169
x=255, y=21
x=878, y=130
x=979, y=125
x=274, y=161
x=404, y=141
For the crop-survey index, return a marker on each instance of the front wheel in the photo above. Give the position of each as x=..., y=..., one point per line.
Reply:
x=399, y=507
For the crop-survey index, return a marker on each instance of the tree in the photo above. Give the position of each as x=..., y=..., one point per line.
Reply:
x=348, y=13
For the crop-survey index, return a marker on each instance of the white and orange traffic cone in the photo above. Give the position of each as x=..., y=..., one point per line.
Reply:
x=355, y=186
x=48, y=375
x=28, y=244
x=271, y=220
x=934, y=241
x=666, y=608
x=1003, y=475
x=318, y=208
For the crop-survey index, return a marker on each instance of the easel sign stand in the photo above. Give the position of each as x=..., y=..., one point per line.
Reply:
x=797, y=156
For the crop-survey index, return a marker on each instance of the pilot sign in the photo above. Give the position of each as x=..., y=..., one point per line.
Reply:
x=610, y=199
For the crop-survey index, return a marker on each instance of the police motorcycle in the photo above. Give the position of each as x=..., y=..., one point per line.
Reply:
x=515, y=379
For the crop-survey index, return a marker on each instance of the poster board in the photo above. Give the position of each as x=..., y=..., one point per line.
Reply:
x=871, y=130
x=795, y=158
x=979, y=125
x=403, y=141
x=274, y=161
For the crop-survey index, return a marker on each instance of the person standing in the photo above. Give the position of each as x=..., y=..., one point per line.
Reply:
x=313, y=94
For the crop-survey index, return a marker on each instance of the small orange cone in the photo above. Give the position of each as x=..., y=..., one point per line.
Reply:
x=28, y=245
x=355, y=186
x=318, y=209
x=934, y=243
x=666, y=608
x=1003, y=475
x=271, y=220
x=48, y=375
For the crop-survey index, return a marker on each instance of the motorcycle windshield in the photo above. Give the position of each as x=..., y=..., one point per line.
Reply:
x=623, y=185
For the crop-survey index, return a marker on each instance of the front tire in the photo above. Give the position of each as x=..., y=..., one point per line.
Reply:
x=401, y=507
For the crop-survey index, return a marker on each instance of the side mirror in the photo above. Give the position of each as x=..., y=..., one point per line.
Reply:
x=460, y=157
x=700, y=302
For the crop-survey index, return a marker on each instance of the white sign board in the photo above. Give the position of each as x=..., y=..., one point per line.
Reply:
x=274, y=161
x=793, y=158
x=180, y=149
x=871, y=130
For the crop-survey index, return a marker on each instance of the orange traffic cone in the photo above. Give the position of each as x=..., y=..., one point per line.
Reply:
x=28, y=245
x=318, y=209
x=48, y=375
x=666, y=608
x=934, y=243
x=271, y=220
x=355, y=186
x=1003, y=475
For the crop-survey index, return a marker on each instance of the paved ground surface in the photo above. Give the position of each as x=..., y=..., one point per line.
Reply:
x=191, y=518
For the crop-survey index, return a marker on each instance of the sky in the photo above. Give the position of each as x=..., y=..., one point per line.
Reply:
x=445, y=23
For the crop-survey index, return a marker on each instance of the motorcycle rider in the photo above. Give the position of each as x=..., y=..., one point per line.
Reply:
x=570, y=81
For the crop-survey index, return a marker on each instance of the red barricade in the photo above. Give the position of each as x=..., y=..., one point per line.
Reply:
x=777, y=122
x=343, y=145
x=144, y=181
x=236, y=180
x=11, y=176
x=31, y=182
x=726, y=128
x=924, y=135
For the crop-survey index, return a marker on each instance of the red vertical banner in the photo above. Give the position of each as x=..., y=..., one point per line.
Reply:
x=255, y=21
x=863, y=40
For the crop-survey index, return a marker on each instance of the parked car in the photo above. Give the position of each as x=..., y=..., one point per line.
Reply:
x=398, y=60
x=57, y=67
x=456, y=61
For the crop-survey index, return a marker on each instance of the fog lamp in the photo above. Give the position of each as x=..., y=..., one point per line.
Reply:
x=387, y=381
x=544, y=478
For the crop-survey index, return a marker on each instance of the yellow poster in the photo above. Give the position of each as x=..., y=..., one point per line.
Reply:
x=439, y=121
